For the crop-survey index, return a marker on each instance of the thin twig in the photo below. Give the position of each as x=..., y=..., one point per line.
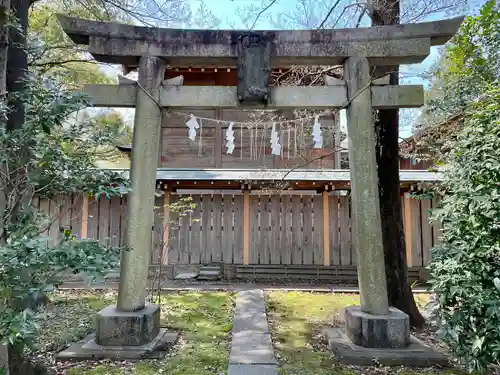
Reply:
x=328, y=14
x=263, y=10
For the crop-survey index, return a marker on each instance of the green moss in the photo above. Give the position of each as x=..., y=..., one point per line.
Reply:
x=297, y=320
x=204, y=321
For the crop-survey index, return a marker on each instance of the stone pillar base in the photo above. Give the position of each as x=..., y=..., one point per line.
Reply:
x=118, y=328
x=377, y=331
x=124, y=335
x=380, y=339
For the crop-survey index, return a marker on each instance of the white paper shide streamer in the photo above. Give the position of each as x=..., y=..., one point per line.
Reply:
x=192, y=124
x=230, y=138
x=316, y=133
x=275, y=142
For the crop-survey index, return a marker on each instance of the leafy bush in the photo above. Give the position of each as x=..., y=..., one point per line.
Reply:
x=465, y=269
x=50, y=155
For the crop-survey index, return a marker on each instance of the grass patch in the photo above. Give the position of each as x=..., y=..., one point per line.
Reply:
x=203, y=318
x=296, y=321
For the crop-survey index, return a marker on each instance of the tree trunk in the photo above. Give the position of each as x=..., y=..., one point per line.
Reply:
x=387, y=149
x=17, y=65
x=4, y=45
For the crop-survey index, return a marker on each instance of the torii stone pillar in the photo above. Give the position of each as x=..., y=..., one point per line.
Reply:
x=145, y=147
x=373, y=325
x=132, y=322
x=131, y=328
x=366, y=223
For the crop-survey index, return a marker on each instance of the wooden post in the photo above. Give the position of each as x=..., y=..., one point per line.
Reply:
x=326, y=231
x=85, y=216
x=166, y=219
x=246, y=227
x=408, y=229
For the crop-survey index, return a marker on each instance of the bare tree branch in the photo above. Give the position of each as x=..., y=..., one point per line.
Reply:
x=328, y=14
x=263, y=10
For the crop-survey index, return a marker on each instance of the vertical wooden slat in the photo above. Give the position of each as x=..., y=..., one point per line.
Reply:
x=157, y=231
x=76, y=216
x=345, y=243
x=416, y=233
x=297, y=234
x=174, y=235
x=114, y=221
x=275, y=230
x=66, y=207
x=217, y=220
x=103, y=219
x=183, y=237
x=426, y=231
x=166, y=227
x=195, y=232
x=264, y=230
x=436, y=227
x=85, y=216
x=93, y=220
x=334, y=230
x=408, y=226
x=227, y=229
x=254, y=223
x=54, y=214
x=286, y=240
x=123, y=219
x=317, y=230
x=307, y=239
x=241, y=230
x=206, y=229
x=326, y=229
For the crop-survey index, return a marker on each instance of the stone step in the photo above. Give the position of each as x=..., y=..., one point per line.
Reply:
x=211, y=267
x=209, y=274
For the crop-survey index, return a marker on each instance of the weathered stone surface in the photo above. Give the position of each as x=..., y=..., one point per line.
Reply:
x=366, y=223
x=127, y=328
x=251, y=340
x=252, y=370
x=88, y=349
x=377, y=331
x=120, y=43
x=252, y=347
x=186, y=276
x=334, y=96
x=415, y=354
x=135, y=260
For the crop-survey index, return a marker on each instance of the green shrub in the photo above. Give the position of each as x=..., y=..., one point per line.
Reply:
x=465, y=269
x=47, y=157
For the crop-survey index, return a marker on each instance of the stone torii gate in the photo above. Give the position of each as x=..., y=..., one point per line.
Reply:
x=132, y=326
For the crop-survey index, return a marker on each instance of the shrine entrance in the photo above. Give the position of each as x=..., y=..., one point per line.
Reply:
x=366, y=54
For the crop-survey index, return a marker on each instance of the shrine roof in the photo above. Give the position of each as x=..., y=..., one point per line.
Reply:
x=384, y=45
x=242, y=175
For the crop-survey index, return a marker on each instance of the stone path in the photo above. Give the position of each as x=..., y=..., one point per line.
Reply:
x=252, y=350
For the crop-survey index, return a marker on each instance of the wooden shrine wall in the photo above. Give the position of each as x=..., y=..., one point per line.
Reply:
x=252, y=146
x=283, y=229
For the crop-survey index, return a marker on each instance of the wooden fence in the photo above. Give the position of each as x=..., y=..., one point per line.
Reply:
x=242, y=228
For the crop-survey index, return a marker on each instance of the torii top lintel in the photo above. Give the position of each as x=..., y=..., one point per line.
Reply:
x=384, y=45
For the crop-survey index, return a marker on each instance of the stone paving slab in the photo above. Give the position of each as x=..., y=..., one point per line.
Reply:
x=251, y=347
x=252, y=351
x=252, y=370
